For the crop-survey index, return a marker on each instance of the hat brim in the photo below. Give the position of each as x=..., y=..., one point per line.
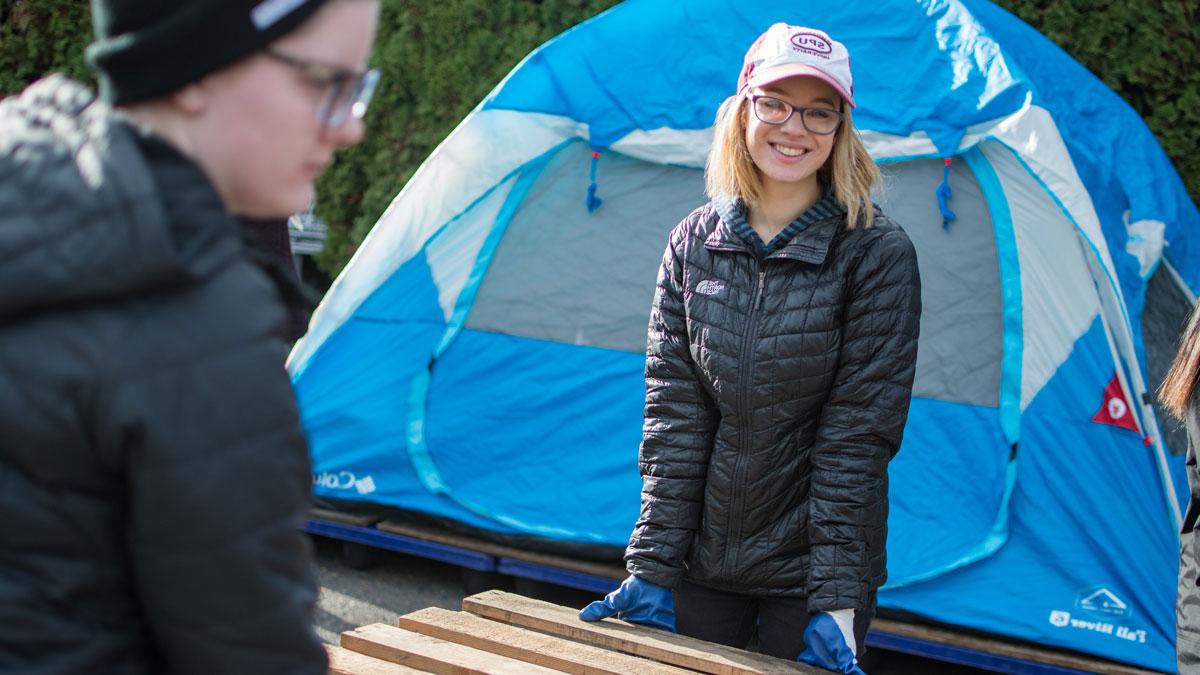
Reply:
x=762, y=78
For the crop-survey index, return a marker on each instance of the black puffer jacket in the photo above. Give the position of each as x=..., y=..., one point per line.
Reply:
x=776, y=394
x=153, y=474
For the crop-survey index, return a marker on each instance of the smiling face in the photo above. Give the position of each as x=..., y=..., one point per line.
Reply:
x=257, y=130
x=788, y=154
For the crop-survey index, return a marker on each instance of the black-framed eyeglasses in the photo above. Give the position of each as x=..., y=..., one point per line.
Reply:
x=820, y=121
x=348, y=94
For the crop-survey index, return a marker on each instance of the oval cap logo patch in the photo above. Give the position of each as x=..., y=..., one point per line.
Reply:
x=811, y=42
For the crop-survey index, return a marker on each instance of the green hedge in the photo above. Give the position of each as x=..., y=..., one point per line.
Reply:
x=441, y=57
x=42, y=36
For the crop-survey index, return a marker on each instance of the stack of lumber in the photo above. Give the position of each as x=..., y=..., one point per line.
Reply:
x=500, y=632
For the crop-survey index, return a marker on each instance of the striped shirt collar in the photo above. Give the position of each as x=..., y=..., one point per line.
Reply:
x=733, y=213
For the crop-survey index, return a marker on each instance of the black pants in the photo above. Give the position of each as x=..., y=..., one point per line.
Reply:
x=734, y=620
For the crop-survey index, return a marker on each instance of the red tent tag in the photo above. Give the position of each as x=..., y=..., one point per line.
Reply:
x=1114, y=409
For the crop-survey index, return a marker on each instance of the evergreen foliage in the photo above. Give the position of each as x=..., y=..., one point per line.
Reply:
x=38, y=37
x=441, y=57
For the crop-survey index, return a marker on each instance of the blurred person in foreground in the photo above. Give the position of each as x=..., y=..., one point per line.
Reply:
x=1180, y=396
x=153, y=473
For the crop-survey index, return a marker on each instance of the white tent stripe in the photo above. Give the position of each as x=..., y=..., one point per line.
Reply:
x=486, y=147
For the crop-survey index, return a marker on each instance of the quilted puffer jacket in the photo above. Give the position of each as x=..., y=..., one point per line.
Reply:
x=776, y=394
x=153, y=472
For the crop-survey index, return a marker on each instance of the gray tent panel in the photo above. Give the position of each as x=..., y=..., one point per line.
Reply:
x=580, y=278
x=959, y=356
x=569, y=276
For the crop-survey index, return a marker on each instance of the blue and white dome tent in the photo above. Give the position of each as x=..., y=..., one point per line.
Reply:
x=480, y=359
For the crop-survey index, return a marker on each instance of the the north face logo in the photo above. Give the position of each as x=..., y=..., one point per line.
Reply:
x=709, y=287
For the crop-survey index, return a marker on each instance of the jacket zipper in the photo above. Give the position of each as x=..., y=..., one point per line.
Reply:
x=746, y=371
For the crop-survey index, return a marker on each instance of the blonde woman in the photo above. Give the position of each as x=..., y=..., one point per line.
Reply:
x=1178, y=395
x=782, y=345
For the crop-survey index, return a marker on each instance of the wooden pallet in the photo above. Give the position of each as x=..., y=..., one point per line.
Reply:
x=939, y=642
x=500, y=632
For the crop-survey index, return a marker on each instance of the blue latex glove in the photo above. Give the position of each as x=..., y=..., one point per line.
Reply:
x=829, y=643
x=635, y=601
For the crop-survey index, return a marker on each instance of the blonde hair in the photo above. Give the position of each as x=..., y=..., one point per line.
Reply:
x=849, y=172
x=1180, y=383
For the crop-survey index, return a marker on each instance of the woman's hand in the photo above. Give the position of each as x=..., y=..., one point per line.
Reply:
x=829, y=642
x=635, y=601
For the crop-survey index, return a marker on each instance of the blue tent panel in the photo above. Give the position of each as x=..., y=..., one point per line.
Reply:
x=938, y=519
x=568, y=475
x=653, y=50
x=1085, y=517
x=353, y=410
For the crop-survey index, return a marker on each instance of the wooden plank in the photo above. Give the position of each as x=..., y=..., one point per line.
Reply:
x=613, y=570
x=1006, y=648
x=344, y=518
x=345, y=662
x=525, y=645
x=658, y=645
x=397, y=645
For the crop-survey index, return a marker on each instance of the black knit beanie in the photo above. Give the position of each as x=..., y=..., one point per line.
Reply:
x=149, y=48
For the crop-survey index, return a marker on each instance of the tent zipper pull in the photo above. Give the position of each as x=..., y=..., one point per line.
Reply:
x=944, y=193
x=593, y=202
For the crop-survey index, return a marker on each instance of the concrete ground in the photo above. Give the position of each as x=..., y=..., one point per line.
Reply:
x=396, y=584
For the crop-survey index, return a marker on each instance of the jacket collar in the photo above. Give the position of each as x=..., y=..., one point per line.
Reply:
x=811, y=245
x=723, y=238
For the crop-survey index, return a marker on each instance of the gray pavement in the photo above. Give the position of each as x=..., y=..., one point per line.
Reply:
x=394, y=584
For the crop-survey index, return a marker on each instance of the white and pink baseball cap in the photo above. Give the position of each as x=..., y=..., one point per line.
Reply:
x=787, y=51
